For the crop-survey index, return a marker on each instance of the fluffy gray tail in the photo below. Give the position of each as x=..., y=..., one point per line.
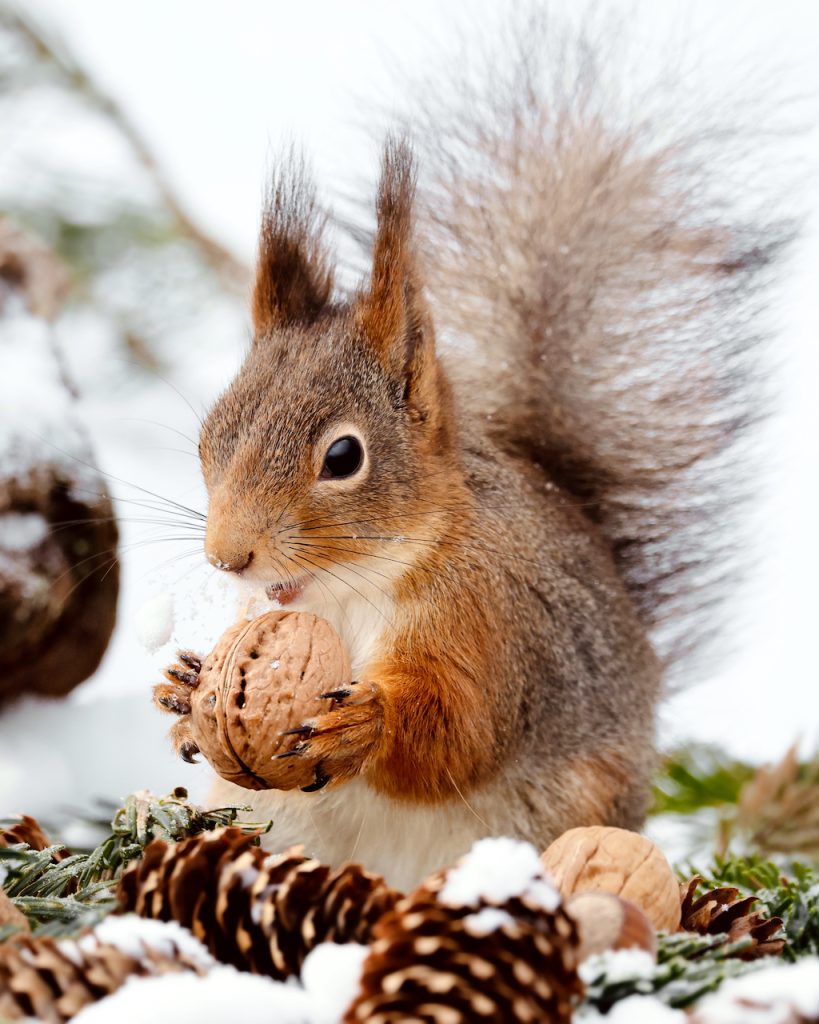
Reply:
x=604, y=255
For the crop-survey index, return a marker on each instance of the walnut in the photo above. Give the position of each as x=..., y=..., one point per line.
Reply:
x=601, y=859
x=605, y=921
x=263, y=678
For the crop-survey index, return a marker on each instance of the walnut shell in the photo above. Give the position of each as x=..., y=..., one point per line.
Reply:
x=614, y=860
x=606, y=921
x=262, y=678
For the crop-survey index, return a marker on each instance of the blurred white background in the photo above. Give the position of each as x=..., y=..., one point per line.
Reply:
x=214, y=87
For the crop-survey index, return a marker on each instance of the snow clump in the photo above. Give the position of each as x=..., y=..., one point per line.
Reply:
x=496, y=870
x=154, y=622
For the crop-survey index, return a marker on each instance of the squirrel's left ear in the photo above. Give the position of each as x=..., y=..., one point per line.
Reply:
x=294, y=276
x=391, y=315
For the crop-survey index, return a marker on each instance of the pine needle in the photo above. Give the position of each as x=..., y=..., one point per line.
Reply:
x=61, y=896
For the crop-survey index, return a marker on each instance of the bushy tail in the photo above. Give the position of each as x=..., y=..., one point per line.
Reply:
x=607, y=253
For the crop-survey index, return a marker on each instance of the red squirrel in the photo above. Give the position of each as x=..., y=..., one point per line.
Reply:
x=500, y=467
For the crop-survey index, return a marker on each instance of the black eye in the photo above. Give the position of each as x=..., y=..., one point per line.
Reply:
x=343, y=458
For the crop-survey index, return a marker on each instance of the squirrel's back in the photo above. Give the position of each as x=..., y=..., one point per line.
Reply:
x=600, y=278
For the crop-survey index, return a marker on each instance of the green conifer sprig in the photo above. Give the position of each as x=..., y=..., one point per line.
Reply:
x=688, y=967
x=699, y=776
x=60, y=896
x=790, y=892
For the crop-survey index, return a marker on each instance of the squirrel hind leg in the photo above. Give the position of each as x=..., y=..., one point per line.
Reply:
x=610, y=789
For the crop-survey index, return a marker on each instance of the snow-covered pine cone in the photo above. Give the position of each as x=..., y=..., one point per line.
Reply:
x=53, y=980
x=259, y=912
x=486, y=941
x=725, y=911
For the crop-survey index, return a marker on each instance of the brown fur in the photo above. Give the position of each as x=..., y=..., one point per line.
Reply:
x=526, y=512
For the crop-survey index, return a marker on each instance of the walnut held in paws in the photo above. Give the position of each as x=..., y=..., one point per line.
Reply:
x=262, y=678
x=601, y=859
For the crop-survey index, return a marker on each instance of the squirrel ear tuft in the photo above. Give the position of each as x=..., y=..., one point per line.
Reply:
x=391, y=314
x=294, y=277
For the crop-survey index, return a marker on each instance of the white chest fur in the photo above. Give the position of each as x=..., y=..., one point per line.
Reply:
x=403, y=842
x=360, y=613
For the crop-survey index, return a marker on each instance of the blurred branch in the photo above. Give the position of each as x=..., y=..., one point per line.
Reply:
x=772, y=810
x=699, y=776
x=233, y=273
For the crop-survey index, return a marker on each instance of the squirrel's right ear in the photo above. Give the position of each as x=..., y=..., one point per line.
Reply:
x=391, y=313
x=294, y=277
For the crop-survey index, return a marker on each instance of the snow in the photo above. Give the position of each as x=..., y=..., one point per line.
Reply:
x=329, y=982
x=771, y=995
x=154, y=622
x=634, y=1010
x=330, y=975
x=618, y=965
x=222, y=995
x=496, y=870
x=132, y=934
x=488, y=920
x=38, y=420
x=22, y=531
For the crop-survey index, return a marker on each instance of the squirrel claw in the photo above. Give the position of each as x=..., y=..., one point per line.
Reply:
x=299, y=749
x=172, y=698
x=187, y=752
x=345, y=738
x=188, y=678
x=322, y=778
x=339, y=694
x=193, y=661
x=173, y=703
x=301, y=730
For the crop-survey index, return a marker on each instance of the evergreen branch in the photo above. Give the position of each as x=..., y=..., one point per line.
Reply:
x=688, y=967
x=794, y=896
x=61, y=894
x=698, y=776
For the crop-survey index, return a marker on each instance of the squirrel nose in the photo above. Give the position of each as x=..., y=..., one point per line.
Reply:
x=229, y=562
x=225, y=547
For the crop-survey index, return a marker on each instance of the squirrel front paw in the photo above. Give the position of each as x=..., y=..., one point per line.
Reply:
x=341, y=741
x=174, y=696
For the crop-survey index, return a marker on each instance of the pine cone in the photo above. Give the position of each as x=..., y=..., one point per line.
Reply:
x=433, y=960
x=724, y=911
x=52, y=981
x=27, y=830
x=259, y=912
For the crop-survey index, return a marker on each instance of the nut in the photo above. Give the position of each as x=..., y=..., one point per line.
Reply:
x=605, y=921
x=262, y=678
x=614, y=860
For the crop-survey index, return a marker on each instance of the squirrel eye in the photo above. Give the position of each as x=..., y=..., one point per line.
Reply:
x=343, y=458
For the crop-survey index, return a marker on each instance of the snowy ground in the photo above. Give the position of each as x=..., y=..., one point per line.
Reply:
x=218, y=95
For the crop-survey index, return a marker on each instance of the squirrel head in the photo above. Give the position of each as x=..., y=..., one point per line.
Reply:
x=338, y=430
